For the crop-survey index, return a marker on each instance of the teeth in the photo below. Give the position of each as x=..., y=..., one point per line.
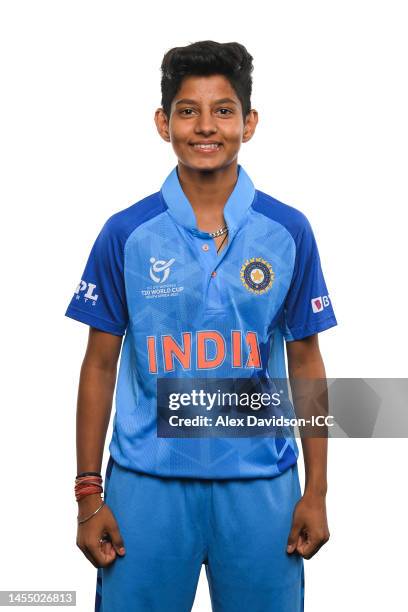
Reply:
x=206, y=146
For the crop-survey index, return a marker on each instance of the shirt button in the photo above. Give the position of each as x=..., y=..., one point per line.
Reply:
x=205, y=247
x=213, y=274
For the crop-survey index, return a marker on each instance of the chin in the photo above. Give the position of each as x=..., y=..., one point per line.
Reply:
x=205, y=164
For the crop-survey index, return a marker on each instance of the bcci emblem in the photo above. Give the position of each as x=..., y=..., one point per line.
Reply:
x=257, y=275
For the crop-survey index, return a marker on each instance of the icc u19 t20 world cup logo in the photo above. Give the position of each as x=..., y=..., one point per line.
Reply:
x=160, y=269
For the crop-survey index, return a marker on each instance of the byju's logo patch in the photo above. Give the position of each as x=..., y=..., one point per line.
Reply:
x=160, y=269
x=87, y=291
x=257, y=275
x=319, y=303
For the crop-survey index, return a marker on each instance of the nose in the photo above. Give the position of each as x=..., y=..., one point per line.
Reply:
x=205, y=123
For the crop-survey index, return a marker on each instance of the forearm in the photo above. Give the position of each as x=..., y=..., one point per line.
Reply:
x=312, y=400
x=315, y=457
x=95, y=394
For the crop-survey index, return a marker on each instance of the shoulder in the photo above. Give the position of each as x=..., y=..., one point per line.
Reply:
x=121, y=224
x=293, y=219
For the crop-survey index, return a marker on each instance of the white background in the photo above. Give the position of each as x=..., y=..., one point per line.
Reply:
x=80, y=83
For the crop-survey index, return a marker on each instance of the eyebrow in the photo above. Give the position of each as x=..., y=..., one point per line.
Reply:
x=221, y=101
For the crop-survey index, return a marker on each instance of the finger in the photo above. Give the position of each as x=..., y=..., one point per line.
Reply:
x=116, y=539
x=309, y=547
x=106, y=547
x=293, y=536
x=108, y=553
x=101, y=553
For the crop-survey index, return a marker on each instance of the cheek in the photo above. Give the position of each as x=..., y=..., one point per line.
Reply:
x=232, y=133
x=179, y=133
x=234, y=140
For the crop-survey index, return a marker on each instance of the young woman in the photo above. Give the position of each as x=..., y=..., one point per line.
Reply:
x=207, y=279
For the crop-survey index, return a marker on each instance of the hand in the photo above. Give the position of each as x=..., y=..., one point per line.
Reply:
x=100, y=526
x=309, y=526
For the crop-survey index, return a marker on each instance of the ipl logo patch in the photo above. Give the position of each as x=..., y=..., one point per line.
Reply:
x=257, y=275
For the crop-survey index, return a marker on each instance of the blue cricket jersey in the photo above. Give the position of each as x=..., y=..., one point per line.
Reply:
x=188, y=312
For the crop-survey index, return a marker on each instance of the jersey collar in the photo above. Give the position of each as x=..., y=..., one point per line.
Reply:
x=235, y=208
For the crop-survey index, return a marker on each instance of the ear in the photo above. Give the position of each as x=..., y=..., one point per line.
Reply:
x=162, y=124
x=251, y=121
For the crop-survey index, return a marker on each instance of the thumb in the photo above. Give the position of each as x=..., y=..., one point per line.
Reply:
x=116, y=540
x=293, y=536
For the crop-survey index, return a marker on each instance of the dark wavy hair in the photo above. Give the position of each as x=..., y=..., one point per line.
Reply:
x=205, y=58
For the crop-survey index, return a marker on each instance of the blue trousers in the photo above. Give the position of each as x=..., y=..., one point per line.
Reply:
x=170, y=527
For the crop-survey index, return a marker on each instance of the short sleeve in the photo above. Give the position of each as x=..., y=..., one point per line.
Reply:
x=308, y=308
x=99, y=299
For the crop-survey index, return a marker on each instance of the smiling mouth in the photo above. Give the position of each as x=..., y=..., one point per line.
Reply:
x=206, y=148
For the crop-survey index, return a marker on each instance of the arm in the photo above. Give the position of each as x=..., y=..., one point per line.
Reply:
x=95, y=394
x=309, y=526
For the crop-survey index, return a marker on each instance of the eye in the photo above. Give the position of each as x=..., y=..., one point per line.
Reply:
x=186, y=112
x=228, y=111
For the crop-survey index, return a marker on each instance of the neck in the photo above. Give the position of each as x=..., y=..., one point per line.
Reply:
x=208, y=193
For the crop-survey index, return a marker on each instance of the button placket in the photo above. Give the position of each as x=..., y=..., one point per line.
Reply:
x=210, y=261
x=215, y=300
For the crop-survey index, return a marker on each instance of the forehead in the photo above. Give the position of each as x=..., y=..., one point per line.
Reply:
x=206, y=89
